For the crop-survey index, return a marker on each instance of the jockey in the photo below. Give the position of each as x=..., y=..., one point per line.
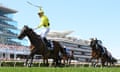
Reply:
x=91, y=41
x=99, y=42
x=45, y=24
x=109, y=55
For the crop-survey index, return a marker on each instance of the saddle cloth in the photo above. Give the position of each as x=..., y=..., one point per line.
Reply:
x=50, y=45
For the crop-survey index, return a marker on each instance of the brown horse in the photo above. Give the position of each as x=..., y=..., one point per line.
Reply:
x=110, y=59
x=68, y=57
x=96, y=53
x=38, y=46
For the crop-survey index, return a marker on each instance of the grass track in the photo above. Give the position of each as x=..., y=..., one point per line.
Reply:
x=52, y=69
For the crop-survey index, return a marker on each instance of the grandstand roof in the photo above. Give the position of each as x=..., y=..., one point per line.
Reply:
x=62, y=36
x=7, y=10
x=59, y=34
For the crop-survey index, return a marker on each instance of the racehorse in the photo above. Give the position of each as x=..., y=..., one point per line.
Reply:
x=113, y=61
x=110, y=59
x=68, y=57
x=38, y=47
x=96, y=53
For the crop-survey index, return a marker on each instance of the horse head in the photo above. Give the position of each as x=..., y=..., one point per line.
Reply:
x=93, y=43
x=25, y=31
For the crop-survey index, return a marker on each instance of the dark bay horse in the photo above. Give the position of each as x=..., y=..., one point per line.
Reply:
x=96, y=53
x=110, y=59
x=68, y=57
x=39, y=47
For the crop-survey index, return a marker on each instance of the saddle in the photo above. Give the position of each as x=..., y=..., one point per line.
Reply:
x=48, y=43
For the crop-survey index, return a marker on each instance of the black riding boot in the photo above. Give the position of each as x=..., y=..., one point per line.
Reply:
x=102, y=50
x=46, y=42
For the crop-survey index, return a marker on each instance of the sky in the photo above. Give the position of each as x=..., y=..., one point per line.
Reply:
x=87, y=18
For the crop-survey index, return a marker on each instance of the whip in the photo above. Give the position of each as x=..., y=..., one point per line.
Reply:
x=34, y=5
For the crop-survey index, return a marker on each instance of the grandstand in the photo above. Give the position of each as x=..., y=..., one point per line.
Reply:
x=9, y=46
x=7, y=26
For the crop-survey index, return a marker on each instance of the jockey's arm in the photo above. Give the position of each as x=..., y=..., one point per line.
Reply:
x=41, y=23
x=44, y=22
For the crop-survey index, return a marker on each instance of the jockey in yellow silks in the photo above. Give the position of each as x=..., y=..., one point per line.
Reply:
x=43, y=23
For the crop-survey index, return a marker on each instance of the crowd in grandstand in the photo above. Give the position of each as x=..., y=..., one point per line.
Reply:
x=13, y=47
x=7, y=50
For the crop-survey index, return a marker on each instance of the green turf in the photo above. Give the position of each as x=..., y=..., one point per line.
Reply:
x=52, y=69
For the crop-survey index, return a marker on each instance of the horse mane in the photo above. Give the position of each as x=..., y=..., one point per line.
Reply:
x=33, y=32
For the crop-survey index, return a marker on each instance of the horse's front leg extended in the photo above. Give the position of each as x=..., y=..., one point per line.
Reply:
x=31, y=62
x=26, y=62
x=96, y=62
x=45, y=61
x=92, y=62
x=69, y=60
x=103, y=61
x=64, y=59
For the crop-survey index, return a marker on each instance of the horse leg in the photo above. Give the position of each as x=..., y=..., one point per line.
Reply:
x=53, y=63
x=107, y=63
x=56, y=63
x=69, y=60
x=31, y=56
x=92, y=62
x=46, y=62
x=31, y=61
x=43, y=61
x=26, y=62
x=59, y=59
x=63, y=58
x=95, y=65
x=103, y=61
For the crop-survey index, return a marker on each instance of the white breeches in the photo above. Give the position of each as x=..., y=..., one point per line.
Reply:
x=44, y=32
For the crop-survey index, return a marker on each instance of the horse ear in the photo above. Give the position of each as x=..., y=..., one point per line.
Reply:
x=25, y=26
